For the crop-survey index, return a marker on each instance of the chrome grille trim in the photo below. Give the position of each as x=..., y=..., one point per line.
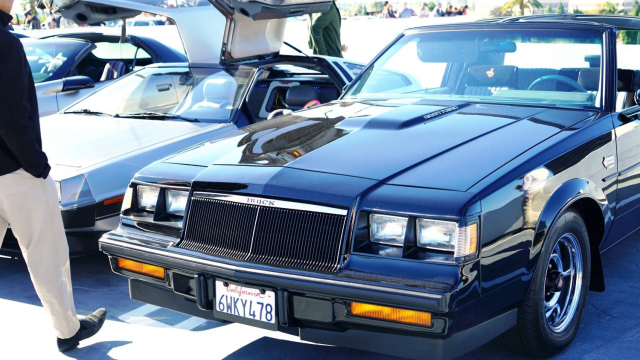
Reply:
x=265, y=231
x=272, y=203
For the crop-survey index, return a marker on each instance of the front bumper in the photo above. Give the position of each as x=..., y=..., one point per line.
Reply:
x=83, y=225
x=313, y=306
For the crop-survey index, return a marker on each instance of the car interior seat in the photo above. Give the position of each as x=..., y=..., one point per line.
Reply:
x=218, y=93
x=113, y=70
x=484, y=80
x=301, y=95
x=298, y=97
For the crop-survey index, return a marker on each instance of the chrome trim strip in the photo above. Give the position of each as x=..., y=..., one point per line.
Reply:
x=629, y=169
x=200, y=261
x=77, y=206
x=271, y=203
x=160, y=185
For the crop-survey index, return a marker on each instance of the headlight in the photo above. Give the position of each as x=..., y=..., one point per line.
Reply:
x=447, y=236
x=439, y=235
x=386, y=229
x=148, y=197
x=176, y=202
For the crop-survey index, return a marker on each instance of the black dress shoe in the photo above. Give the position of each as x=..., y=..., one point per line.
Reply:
x=89, y=326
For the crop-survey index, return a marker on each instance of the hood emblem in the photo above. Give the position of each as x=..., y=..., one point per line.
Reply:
x=440, y=112
x=490, y=73
x=608, y=161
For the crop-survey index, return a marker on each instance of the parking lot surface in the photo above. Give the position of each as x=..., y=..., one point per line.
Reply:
x=610, y=326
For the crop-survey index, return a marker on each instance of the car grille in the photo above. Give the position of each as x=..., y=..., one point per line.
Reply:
x=277, y=233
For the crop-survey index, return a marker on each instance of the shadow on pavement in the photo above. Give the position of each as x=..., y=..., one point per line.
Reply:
x=96, y=351
x=267, y=348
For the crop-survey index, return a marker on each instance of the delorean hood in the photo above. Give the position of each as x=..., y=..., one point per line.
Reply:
x=212, y=31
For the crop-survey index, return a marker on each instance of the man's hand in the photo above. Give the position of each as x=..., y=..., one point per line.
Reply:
x=345, y=48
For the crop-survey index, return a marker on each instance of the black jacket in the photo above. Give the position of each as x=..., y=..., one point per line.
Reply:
x=20, y=140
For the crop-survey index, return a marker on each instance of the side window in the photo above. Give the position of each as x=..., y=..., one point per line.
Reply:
x=124, y=51
x=141, y=23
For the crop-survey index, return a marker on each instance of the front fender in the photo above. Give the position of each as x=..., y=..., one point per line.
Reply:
x=582, y=194
x=562, y=198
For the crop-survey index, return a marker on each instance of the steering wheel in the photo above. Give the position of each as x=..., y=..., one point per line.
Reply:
x=559, y=78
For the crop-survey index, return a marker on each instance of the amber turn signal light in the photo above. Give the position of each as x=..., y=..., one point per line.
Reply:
x=390, y=314
x=141, y=268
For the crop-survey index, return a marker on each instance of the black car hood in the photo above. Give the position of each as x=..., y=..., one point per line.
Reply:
x=440, y=145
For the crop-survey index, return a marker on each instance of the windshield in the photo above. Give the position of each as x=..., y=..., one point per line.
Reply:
x=538, y=67
x=46, y=57
x=203, y=94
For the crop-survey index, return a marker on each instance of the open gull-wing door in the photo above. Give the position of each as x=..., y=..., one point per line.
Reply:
x=212, y=31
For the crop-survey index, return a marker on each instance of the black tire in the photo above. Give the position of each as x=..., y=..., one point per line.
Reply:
x=533, y=336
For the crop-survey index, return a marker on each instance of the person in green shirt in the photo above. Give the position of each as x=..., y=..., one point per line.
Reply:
x=324, y=33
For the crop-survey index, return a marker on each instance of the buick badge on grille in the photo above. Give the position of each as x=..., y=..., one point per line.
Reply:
x=261, y=202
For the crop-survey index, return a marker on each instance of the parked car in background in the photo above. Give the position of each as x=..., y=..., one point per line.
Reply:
x=143, y=21
x=97, y=145
x=67, y=66
x=461, y=189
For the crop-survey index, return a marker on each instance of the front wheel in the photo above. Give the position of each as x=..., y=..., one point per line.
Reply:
x=549, y=316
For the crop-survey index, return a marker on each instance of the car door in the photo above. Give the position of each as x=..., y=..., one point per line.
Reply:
x=231, y=30
x=49, y=82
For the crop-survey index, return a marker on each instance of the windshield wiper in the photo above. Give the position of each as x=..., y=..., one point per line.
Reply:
x=154, y=115
x=86, y=112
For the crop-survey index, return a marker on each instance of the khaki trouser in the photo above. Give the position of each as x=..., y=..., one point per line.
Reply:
x=30, y=205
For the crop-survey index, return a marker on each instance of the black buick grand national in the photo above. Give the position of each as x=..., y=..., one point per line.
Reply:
x=461, y=189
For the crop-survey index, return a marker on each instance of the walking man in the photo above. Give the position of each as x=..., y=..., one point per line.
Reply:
x=324, y=33
x=28, y=196
x=33, y=21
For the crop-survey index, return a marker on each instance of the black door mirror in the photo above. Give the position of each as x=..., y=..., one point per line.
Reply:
x=76, y=83
x=636, y=97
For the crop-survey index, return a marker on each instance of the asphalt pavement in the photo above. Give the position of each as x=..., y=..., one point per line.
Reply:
x=610, y=327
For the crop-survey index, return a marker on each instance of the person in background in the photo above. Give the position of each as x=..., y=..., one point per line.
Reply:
x=324, y=33
x=424, y=11
x=388, y=13
x=449, y=11
x=406, y=12
x=465, y=10
x=29, y=199
x=438, y=11
x=32, y=21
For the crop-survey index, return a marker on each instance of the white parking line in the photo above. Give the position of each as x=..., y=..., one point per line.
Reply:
x=138, y=317
x=190, y=324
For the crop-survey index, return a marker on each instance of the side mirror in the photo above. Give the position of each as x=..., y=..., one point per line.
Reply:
x=636, y=97
x=76, y=83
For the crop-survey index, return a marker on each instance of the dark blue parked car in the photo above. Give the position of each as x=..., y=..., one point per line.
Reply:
x=461, y=189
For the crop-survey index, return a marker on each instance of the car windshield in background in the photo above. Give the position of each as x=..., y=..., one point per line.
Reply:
x=205, y=95
x=534, y=67
x=47, y=56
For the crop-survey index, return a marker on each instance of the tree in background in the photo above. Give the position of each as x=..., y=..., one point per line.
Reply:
x=577, y=11
x=522, y=4
x=628, y=36
x=560, y=8
x=548, y=9
x=431, y=5
x=609, y=8
x=376, y=6
x=28, y=5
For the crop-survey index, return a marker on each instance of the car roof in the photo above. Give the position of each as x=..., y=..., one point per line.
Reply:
x=622, y=22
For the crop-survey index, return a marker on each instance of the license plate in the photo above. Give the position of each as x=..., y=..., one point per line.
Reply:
x=235, y=302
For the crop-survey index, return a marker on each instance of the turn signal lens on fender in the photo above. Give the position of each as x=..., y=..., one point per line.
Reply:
x=141, y=268
x=390, y=314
